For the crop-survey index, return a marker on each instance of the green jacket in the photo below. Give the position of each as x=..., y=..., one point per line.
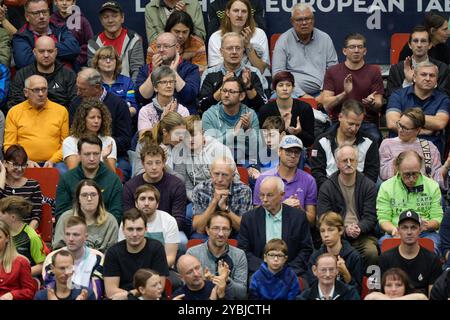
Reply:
x=393, y=198
x=108, y=181
x=155, y=18
x=5, y=47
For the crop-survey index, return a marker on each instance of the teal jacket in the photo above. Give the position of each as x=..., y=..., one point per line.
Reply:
x=108, y=181
x=393, y=198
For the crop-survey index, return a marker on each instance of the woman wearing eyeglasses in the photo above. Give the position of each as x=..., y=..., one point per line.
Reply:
x=107, y=61
x=238, y=18
x=164, y=81
x=103, y=229
x=410, y=124
x=13, y=182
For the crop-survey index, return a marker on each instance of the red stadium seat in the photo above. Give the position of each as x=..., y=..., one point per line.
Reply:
x=388, y=244
x=48, y=179
x=119, y=174
x=243, y=173
x=273, y=41
x=168, y=289
x=398, y=41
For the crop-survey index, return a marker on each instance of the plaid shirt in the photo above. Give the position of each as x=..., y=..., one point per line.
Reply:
x=239, y=201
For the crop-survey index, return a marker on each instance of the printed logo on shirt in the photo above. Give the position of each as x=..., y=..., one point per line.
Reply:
x=313, y=153
x=56, y=86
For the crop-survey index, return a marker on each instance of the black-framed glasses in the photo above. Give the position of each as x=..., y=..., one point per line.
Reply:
x=402, y=127
x=36, y=14
x=38, y=90
x=409, y=175
x=276, y=256
x=17, y=166
x=230, y=91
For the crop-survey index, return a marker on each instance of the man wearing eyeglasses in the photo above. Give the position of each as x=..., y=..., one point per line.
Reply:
x=187, y=74
x=401, y=74
x=274, y=219
x=352, y=195
x=424, y=94
x=216, y=249
x=39, y=125
x=305, y=51
x=232, y=50
x=61, y=80
x=127, y=43
x=300, y=187
x=357, y=80
x=410, y=189
x=38, y=24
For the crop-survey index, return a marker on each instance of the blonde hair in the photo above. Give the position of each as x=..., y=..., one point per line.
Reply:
x=9, y=254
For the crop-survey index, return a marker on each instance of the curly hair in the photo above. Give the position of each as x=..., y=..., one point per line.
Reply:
x=78, y=128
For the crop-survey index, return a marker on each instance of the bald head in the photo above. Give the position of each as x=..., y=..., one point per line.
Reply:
x=191, y=272
x=167, y=47
x=45, y=52
x=184, y=262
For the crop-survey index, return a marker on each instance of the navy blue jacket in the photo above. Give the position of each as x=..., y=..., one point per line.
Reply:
x=24, y=39
x=294, y=231
x=187, y=96
x=121, y=120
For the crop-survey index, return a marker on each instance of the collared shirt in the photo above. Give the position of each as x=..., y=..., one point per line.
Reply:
x=323, y=297
x=303, y=186
x=273, y=224
x=307, y=62
x=103, y=96
x=239, y=200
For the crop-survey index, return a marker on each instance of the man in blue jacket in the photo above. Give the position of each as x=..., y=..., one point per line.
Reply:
x=38, y=24
x=187, y=75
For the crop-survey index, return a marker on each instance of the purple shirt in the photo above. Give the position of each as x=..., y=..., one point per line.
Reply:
x=303, y=185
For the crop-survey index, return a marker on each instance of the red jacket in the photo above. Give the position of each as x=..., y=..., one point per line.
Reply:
x=19, y=281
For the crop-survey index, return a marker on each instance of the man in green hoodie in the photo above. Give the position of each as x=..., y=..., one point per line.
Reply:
x=232, y=122
x=90, y=167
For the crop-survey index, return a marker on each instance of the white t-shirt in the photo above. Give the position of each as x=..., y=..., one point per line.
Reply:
x=258, y=41
x=164, y=229
x=70, y=146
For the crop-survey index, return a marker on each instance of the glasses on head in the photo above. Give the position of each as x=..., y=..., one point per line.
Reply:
x=276, y=256
x=225, y=91
x=107, y=57
x=167, y=82
x=233, y=49
x=354, y=46
x=17, y=166
x=165, y=46
x=38, y=90
x=36, y=14
x=218, y=229
x=303, y=20
x=86, y=195
x=409, y=175
x=402, y=127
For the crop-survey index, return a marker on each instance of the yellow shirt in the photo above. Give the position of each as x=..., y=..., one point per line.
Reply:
x=40, y=132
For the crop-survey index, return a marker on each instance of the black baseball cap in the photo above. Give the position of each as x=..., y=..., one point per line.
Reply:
x=409, y=215
x=111, y=5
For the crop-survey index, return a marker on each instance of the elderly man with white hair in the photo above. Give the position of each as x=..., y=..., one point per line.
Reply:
x=221, y=192
x=274, y=219
x=305, y=51
x=353, y=196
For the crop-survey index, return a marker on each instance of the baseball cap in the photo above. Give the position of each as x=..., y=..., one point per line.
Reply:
x=409, y=214
x=291, y=141
x=111, y=5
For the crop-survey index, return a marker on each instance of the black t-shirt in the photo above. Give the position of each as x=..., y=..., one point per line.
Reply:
x=422, y=271
x=120, y=263
x=202, y=294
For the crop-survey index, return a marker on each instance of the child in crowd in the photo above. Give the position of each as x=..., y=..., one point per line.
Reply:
x=274, y=280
